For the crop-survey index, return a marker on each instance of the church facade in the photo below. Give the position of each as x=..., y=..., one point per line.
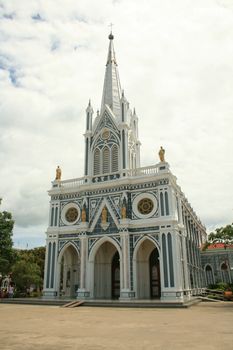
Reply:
x=122, y=231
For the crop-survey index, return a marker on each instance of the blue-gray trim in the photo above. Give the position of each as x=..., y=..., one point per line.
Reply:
x=123, y=112
x=48, y=265
x=88, y=122
x=143, y=229
x=53, y=264
x=131, y=250
x=170, y=256
x=161, y=203
x=56, y=216
x=123, y=148
x=86, y=157
x=165, y=271
x=166, y=203
x=52, y=216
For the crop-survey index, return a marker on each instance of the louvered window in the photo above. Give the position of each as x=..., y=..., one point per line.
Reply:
x=114, y=158
x=106, y=160
x=97, y=162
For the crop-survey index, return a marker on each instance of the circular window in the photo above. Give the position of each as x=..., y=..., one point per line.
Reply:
x=71, y=214
x=145, y=206
x=105, y=134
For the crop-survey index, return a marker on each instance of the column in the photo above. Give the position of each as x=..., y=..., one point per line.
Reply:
x=82, y=291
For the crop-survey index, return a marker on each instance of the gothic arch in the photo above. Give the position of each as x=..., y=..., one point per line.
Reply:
x=114, y=158
x=141, y=266
x=98, y=244
x=106, y=160
x=140, y=240
x=99, y=266
x=68, y=270
x=96, y=161
x=65, y=246
x=209, y=275
x=225, y=273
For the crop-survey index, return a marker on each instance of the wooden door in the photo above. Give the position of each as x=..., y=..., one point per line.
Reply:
x=116, y=276
x=155, y=288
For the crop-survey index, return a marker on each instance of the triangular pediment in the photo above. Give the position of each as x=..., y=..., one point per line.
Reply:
x=112, y=223
x=106, y=120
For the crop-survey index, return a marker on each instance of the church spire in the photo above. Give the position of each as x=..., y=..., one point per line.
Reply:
x=112, y=87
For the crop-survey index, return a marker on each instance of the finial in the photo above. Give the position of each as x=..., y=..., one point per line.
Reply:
x=161, y=154
x=111, y=37
x=89, y=103
x=134, y=111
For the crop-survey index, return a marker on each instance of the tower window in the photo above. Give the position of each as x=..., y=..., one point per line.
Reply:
x=114, y=158
x=97, y=162
x=106, y=160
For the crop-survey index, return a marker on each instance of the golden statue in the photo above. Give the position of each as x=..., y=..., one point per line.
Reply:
x=104, y=215
x=161, y=154
x=58, y=173
x=83, y=215
x=123, y=212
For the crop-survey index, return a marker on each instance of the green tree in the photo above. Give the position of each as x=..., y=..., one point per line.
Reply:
x=29, y=268
x=222, y=235
x=6, y=244
x=24, y=274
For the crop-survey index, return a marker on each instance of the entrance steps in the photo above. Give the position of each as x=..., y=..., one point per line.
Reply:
x=102, y=303
x=74, y=303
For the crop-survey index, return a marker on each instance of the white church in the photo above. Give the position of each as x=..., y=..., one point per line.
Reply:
x=122, y=231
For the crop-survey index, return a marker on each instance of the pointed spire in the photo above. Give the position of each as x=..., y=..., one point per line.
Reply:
x=112, y=87
x=89, y=107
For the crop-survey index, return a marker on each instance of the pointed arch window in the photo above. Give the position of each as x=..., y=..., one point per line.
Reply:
x=114, y=158
x=225, y=273
x=97, y=162
x=166, y=203
x=209, y=275
x=161, y=204
x=106, y=160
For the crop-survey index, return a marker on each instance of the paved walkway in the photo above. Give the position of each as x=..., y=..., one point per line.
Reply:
x=205, y=326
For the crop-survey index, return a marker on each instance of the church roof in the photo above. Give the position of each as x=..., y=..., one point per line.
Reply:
x=219, y=246
x=112, y=87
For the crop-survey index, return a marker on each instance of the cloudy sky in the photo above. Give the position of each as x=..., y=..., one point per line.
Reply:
x=175, y=61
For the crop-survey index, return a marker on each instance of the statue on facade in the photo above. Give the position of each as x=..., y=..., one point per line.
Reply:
x=58, y=173
x=83, y=215
x=123, y=212
x=161, y=154
x=104, y=215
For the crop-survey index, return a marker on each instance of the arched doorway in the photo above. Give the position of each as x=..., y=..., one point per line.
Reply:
x=69, y=272
x=225, y=273
x=107, y=272
x=209, y=275
x=147, y=271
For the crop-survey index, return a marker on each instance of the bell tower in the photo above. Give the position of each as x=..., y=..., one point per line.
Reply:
x=112, y=147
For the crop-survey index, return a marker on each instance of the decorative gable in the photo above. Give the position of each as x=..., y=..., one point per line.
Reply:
x=106, y=222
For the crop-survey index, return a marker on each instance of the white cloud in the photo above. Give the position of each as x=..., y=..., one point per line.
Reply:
x=175, y=64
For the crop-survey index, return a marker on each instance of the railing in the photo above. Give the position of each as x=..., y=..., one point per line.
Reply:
x=147, y=170
x=69, y=183
x=144, y=171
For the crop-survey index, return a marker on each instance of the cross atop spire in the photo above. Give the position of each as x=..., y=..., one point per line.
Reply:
x=112, y=87
x=111, y=25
